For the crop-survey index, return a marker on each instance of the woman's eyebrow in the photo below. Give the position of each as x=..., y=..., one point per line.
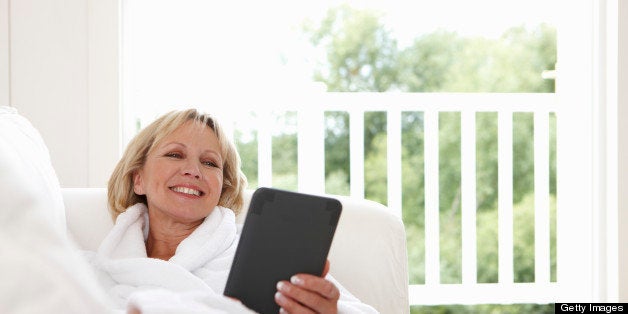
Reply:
x=210, y=151
x=213, y=152
x=173, y=143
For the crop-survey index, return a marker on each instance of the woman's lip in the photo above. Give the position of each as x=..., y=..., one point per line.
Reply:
x=180, y=188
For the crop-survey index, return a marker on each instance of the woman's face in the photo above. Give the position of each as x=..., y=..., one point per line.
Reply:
x=182, y=177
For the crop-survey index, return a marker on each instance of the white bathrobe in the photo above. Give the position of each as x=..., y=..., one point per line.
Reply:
x=192, y=281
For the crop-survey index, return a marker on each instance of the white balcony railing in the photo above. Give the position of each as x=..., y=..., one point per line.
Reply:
x=311, y=176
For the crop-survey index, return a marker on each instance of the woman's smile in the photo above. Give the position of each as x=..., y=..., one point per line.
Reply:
x=187, y=190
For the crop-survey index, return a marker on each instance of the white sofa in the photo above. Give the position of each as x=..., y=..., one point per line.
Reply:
x=42, y=224
x=368, y=254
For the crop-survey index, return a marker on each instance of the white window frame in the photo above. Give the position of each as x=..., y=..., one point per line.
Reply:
x=592, y=163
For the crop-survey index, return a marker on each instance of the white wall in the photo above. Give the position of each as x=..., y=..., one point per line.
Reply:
x=62, y=79
x=49, y=78
x=622, y=143
x=4, y=52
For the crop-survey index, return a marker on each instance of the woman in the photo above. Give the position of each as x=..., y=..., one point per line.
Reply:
x=174, y=196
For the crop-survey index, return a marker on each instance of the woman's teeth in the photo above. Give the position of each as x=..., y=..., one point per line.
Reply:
x=186, y=190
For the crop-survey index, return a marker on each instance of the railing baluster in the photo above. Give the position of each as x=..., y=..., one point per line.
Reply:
x=356, y=152
x=264, y=148
x=541, y=198
x=311, y=150
x=468, y=186
x=505, y=186
x=393, y=125
x=432, y=223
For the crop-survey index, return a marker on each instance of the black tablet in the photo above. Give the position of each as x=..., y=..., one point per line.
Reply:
x=284, y=233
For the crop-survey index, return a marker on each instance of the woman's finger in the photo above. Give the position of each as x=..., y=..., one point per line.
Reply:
x=313, y=292
x=289, y=305
x=319, y=285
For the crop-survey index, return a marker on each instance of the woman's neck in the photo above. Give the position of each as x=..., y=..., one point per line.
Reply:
x=165, y=235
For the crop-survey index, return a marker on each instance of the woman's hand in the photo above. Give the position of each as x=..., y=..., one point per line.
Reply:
x=307, y=294
x=133, y=310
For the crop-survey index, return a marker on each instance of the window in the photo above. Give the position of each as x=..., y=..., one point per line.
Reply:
x=405, y=103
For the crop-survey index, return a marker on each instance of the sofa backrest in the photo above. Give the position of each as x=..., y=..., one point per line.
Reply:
x=368, y=254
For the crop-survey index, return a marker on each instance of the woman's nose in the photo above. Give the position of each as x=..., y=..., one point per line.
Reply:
x=191, y=169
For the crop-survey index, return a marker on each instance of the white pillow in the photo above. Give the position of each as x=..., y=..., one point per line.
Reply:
x=26, y=173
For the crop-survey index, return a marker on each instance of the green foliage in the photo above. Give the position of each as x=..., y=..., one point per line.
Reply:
x=486, y=160
x=444, y=61
x=285, y=152
x=484, y=309
x=487, y=245
x=425, y=65
x=523, y=155
x=360, y=56
x=413, y=192
x=336, y=152
x=449, y=197
x=375, y=172
x=336, y=183
x=375, y=163
x=412, y=168
x=248, y=153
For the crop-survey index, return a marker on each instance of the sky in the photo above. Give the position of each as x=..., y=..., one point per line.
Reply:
x=408, y=18
x=488, y=18
x=193, y=51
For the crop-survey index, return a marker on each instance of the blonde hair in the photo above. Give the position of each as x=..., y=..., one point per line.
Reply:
x=120, y=191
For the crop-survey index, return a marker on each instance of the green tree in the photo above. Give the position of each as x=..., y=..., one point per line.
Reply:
x=360, y=55
x=426, y=64
x=445, y=62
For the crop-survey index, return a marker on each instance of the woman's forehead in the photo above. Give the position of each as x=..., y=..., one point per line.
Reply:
x=190, y=131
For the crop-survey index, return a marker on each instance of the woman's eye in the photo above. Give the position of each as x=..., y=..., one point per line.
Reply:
x=210, y=164
x=174, y=155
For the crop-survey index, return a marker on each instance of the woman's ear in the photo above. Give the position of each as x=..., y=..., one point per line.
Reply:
x=138, y=188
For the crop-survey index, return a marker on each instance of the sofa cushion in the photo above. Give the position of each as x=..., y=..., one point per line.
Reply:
x=26, y=173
